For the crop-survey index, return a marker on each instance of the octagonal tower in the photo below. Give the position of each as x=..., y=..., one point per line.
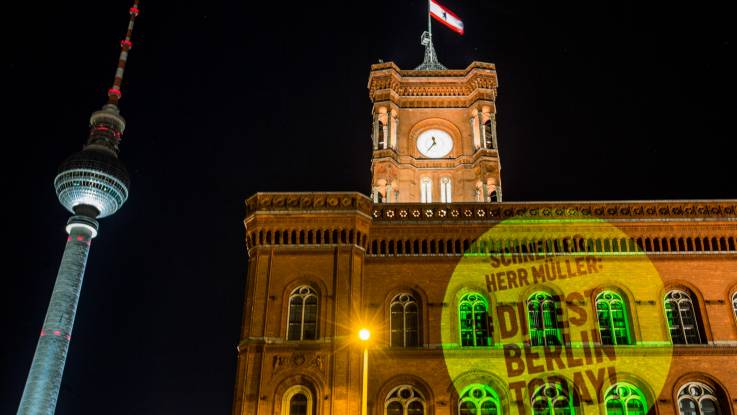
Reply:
x=434, y=133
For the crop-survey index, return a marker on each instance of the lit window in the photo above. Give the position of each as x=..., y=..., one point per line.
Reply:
x=681, y=317
x=297, y=400
x=445, y=190
x=425, y=190
x=552, y=399
x=625, y=399
x=382, y=135
x=611, y=312
x=302, y=314
x=488, y=135
x=404, y=321
x=542, y=311
x=695, y=398
x=404, y=400
x=298, y=404
x=478, y=400
x=473, y=319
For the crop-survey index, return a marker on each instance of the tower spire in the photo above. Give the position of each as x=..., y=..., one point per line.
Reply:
x=114, y=93
x=107, y=125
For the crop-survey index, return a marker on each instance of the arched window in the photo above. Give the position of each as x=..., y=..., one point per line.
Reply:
x=681, y=317
x=302, y=314
x=404, y=400
x=478, y=400
x=625, y=399
x=488, y=136
x=425, y=190
x=552, y=399
x=611, y=312
x=404, y=320
x=542, y=311
x=695, y=398
x=473, y=316
x=297, y=400
x=382, y=135
x=445, y=190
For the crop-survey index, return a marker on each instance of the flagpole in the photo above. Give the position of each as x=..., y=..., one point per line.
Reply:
x=429, y=21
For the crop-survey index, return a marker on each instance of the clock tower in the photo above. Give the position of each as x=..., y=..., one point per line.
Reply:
x=434, y=134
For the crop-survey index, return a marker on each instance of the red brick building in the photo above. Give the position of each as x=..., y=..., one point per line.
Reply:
x=324, y=265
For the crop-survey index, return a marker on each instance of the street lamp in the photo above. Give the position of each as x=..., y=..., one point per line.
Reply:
x=364, y=335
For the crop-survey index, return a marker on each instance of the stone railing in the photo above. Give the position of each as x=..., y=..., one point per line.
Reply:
x=423, y=212
x=308, y=202
x=611, y=210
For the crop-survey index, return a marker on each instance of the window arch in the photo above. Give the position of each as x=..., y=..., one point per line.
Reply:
x=425, y=190
x=479, y=399
x=625, y=399
x=473, y=320
x=446, y=191
x=552, y=399
x=404, y=400
x=302, y=314
x=404, y=321
x=297, y=400
x=681, y=318
x=542, y=318
x=611, y=312
x=695, y=398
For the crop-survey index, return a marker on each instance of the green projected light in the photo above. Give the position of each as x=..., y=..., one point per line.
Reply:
x=543, y=310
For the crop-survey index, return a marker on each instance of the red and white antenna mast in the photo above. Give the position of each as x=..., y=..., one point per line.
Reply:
x=114, y=93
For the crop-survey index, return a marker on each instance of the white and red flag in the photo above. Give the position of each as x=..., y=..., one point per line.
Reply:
x=446, y=17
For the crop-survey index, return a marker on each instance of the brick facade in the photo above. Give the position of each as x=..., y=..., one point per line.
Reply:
x=353, y=254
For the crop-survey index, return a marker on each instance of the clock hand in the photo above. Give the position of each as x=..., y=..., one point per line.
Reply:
x=431, y=145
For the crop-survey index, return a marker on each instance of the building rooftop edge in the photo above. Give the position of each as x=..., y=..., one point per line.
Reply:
x=637, y=210
x=508, y=202
x=423, y=73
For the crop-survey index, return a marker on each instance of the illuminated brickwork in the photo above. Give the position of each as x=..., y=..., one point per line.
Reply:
x=324, y=265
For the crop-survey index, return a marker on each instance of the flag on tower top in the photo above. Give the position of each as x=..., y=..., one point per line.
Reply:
x=446, y=17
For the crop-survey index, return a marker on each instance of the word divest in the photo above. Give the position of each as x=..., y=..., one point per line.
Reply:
x=538, y=284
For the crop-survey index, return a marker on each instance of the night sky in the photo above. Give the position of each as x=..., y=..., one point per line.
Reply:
x=597, y=100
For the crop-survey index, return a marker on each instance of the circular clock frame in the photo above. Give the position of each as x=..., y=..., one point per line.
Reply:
x=434, y=143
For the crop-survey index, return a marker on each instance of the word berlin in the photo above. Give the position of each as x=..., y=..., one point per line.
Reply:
x=549, y=270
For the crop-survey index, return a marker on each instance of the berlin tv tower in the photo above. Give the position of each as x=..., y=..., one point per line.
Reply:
x=91, y=184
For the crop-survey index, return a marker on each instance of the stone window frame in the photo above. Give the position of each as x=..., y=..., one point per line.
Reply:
x=404, y=299
x=303, y=293
x=609, y=298
x=697, y=393
x=405, y=395
x=547, y=327
x=682, y=298
x=290, y=393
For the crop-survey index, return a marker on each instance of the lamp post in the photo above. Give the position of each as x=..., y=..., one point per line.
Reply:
x=364, y=335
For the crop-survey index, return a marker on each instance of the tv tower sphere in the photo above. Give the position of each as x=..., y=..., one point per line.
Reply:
x=95, y=176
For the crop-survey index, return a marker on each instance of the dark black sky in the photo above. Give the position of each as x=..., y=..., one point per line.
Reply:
x=597, y=100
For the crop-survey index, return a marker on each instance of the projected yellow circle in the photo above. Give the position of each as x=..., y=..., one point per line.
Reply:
x=554, y=314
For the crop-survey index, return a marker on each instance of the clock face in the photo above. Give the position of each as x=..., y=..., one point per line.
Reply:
x=434, y=143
